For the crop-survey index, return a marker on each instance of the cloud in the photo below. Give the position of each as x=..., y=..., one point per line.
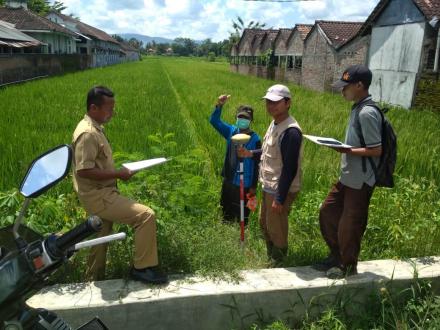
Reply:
x=208, y=18
x=125, y=4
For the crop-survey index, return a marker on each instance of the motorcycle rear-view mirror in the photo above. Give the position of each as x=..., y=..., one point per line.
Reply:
x=45, y=171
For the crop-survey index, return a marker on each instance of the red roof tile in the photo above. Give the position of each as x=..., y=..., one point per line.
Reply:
x=303, y=30
x=429, y=8
x=339, y=33
x=26, y=20
x=88, y=30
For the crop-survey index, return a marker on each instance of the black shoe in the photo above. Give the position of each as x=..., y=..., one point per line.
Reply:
x=326, y=264
x=338, y=273
x=151, y=275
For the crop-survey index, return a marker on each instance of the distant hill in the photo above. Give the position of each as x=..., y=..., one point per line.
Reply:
x=145, y=39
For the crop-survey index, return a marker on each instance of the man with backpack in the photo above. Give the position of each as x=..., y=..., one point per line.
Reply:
x=344, y=213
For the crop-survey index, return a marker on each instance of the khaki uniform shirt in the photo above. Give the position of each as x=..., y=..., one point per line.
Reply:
x=91, y=149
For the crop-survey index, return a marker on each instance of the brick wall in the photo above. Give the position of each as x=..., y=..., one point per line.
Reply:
x=243, y=69
x=293, y=75
x=318, y=62
x=355, y=52
x=279, y=73
x=296, y=44
x=428, y=93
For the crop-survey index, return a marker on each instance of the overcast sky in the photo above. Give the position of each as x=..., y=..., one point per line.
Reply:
x=208, y=18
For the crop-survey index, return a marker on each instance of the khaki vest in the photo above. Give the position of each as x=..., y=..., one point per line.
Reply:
x=271, y=163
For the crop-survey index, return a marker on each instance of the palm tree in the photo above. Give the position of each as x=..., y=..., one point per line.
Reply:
x=239, y=26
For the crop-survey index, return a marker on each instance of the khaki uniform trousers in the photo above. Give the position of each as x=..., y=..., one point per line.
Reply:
x=275, y=226
x=138, y=216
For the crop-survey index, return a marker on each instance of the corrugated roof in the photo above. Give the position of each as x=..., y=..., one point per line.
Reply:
x=12, y=37
x=26, y=20
x=88, y=30
x=339, y=32
x=19, y=44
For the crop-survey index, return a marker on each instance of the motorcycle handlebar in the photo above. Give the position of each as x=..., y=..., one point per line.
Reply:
x=58, y=246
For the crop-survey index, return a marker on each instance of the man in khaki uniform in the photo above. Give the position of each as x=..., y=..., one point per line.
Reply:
x=94, y=180
x=280, y=170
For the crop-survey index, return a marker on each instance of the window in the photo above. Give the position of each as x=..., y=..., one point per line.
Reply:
x=290, y=62
x=298, y=62
x=430, y=59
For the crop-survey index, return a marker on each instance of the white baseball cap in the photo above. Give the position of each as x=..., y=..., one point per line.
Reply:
x=277, y=92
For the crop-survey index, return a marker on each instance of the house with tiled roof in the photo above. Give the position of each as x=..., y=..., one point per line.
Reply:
x=246, y=49
x=404, y=48
x=267, y=61
x=54, y=38
x=104, y=49
x=130, y=53
x=320, y=55
x=280, y=52
x=234, y=55
x=294, y=52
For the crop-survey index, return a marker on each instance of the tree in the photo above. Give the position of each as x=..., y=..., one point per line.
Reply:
x=40, y=7
x=239, y=27
x=184, y=46
x=118, y=38
x=58, y=6
x=137, y=44
x=162, y=48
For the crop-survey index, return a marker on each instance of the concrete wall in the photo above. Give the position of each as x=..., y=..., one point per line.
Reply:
x=395, y=60
x=18, y=67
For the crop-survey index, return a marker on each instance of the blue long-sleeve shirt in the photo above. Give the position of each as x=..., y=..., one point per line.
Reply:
x=231, y=164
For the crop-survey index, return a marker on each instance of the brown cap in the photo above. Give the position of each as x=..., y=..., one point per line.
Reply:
x=245, y=111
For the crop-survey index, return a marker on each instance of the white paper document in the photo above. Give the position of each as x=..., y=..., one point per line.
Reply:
x=326, y=141
x=142, y=164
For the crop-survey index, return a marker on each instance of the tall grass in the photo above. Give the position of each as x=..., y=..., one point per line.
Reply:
x=162, y=108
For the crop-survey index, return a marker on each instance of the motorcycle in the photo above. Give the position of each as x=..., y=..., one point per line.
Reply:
x=27, y=259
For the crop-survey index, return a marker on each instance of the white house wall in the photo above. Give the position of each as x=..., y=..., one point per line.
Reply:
x=394, y=59
x=60, y=44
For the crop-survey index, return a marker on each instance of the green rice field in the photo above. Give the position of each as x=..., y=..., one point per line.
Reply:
x=162, y=109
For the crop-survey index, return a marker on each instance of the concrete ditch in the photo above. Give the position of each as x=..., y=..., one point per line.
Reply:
x=197, y=303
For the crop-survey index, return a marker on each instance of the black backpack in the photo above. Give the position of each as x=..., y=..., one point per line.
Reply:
x=384, y=171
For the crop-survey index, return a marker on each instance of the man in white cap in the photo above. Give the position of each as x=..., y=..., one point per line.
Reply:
x=280, y=170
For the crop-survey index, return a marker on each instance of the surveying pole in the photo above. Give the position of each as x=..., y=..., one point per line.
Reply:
x=240, y=140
